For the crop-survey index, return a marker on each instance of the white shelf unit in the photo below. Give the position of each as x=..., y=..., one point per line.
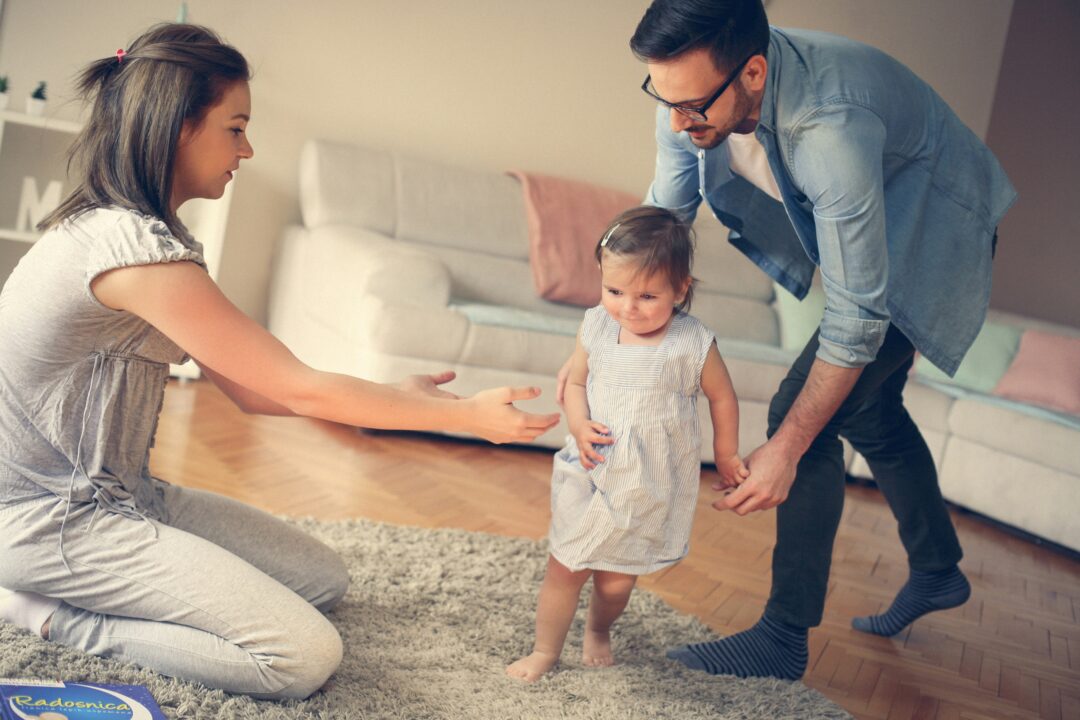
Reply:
x=47, y=124
x=26, y=237
x=41, y=121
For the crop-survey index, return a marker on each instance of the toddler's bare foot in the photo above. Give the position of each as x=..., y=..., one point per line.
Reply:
x=596, y=649
x=532, y=667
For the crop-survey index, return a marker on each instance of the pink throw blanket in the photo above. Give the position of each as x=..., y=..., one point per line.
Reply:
x=566, y=219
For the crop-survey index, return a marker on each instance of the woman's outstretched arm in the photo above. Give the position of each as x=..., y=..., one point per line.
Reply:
x=181, y=301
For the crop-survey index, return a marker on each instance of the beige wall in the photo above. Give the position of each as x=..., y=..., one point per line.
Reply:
x=547, y=86
x=1033, y=130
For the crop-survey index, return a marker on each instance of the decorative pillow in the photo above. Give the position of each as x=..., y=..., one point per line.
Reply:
x=799, y=320
x=1046, y=372
x=566, y=218
x=984, y=364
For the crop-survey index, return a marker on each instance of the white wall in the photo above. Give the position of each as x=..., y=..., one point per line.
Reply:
x=955, y=45
x=548, y=86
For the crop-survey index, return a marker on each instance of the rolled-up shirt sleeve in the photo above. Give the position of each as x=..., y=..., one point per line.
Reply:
x=836, y=159
x=676, y=185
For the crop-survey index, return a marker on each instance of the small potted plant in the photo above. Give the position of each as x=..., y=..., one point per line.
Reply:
x=35, y=104
x=3, y=92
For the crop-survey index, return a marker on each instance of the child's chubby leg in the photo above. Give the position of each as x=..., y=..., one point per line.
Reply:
x=611, y=592
x=555, y=610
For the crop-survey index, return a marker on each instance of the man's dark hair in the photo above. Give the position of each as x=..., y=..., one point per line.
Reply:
x=730, y=29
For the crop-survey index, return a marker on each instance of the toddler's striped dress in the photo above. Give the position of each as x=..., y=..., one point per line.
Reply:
x=632, y=513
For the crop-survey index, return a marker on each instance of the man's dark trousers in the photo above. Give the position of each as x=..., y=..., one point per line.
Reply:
x=875, y=422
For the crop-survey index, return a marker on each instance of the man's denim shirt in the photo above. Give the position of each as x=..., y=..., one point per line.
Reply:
x=883, y=187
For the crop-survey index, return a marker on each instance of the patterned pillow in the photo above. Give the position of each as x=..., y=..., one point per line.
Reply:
x=799, y=320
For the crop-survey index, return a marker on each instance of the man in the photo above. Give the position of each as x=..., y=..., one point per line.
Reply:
x=816, y=150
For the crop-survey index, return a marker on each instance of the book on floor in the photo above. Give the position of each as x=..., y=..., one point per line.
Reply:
x=54, y=700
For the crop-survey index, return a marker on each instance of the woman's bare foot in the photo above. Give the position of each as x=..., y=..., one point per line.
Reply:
x=596, y=649
x=532, y=668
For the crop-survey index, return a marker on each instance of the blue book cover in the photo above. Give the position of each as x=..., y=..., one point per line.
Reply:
x=46, y=700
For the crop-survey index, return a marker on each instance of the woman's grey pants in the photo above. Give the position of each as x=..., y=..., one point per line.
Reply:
x=217, y=592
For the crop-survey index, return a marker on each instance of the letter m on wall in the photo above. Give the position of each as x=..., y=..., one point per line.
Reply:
x=34, y=207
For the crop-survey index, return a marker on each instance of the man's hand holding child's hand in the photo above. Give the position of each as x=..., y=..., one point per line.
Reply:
x=732, y=472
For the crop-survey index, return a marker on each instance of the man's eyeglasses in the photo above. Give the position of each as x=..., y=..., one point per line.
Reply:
x=697, y=113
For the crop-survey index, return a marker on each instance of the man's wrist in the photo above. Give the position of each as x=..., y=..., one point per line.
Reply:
x=788, y=442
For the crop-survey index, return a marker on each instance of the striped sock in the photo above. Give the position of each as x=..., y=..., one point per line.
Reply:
x=772, y=648
x=924, y=592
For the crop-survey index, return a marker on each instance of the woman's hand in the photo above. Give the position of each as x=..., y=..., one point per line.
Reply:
x=732, y=471
x=589, y=434
x=494, y=417
x=428, y=385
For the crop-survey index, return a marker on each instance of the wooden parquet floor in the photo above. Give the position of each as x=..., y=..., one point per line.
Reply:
x=1013, y=651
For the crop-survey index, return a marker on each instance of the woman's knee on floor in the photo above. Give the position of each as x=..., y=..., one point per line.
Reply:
x=332, y=581
x=314, y=658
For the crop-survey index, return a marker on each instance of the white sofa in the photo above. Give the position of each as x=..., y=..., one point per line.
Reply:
x=405, y=266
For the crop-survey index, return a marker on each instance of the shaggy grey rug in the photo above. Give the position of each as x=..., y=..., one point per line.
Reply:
x=431, y=620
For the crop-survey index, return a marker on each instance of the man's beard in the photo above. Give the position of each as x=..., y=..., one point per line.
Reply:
x=743, y=105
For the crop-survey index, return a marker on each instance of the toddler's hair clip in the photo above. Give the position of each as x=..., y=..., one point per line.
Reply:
x=120, y=56
x=603, y=243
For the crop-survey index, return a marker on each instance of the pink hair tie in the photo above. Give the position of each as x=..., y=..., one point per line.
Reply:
x=120, y=55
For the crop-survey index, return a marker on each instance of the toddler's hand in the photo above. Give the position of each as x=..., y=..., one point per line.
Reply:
x=732, y=472
x=592, y=433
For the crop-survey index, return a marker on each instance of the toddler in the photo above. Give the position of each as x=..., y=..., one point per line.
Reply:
x=624, y=488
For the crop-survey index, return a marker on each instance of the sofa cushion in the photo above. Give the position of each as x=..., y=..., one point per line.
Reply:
x=752, y=379
x=928, y=406
x=393, y=328
x=492, y=280
x=721, y=268
x=347, y=184
x=1010, y=430
x=515, y=349
x=1015, y=490
x=448, y=336
x=460, y=208
x=345, y=262
x=986, y=361
x=738, y=318
x=515, y=318
x=1045, y=372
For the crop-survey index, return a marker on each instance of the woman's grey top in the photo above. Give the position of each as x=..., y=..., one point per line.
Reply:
x=81, y=385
